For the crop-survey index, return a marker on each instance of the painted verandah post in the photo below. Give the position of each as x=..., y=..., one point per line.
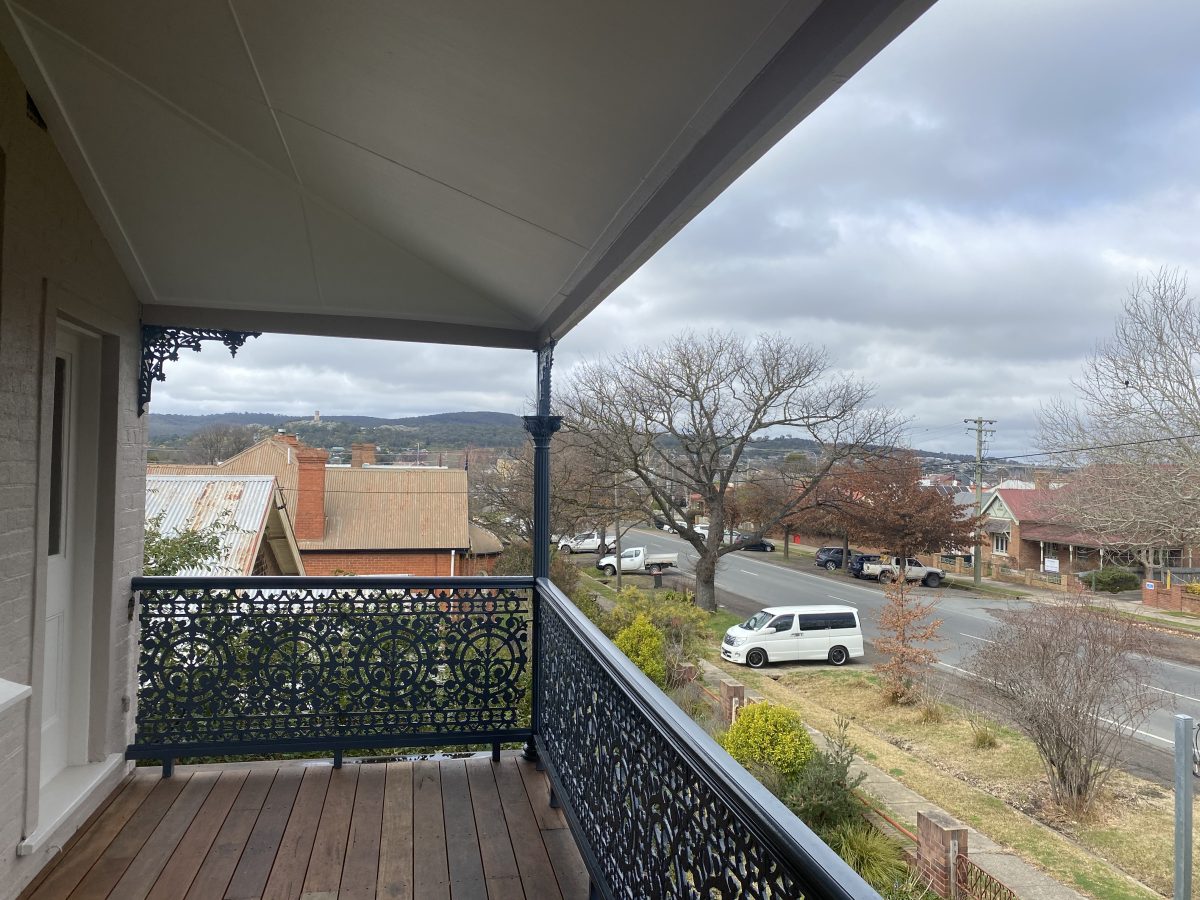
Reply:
x=541, y=428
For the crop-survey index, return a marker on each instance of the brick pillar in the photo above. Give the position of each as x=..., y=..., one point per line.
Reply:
x=310, y=503
x=730, y=691
x=939, y=838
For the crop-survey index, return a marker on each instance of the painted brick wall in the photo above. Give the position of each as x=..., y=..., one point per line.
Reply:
x=54, y=261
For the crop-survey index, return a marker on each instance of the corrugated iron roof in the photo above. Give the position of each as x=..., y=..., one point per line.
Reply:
x=197, y=501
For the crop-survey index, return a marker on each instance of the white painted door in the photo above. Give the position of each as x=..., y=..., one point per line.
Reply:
x=67, y=657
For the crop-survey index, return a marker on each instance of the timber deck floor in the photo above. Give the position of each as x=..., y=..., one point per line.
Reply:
x=457, y=829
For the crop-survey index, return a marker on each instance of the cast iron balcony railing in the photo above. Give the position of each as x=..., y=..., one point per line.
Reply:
x=257, y=665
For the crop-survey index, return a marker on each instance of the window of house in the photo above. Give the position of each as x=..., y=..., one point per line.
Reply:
x=1000, y=543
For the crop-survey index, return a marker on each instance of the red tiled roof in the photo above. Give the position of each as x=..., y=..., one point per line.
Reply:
x=1036, y=505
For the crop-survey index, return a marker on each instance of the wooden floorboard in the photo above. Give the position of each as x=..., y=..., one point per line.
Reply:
x=361, y=868
x=139, y=878
x=117, y=856
x=176, y=878
x=295, y=848
x=222, y=858
x=70, y=868
x=431, y=880
x=329, y=849
x=254, y=867
x=537, y=875
x=396, y=838
x=439, y=829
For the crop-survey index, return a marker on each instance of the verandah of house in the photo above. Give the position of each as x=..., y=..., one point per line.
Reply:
x=475, y=174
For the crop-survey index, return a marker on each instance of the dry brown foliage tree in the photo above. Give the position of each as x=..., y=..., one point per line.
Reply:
x=678, y=416
x=907, y=631
x=216, y=443
x=1131, y=431
x=1073, y=677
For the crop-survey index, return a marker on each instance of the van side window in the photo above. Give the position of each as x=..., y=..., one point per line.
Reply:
x=814, y=622
x=841, y=620
x=782, y=623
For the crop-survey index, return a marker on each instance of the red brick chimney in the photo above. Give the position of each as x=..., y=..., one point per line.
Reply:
x=362, y=455
x=310, y=490
x=287, y=438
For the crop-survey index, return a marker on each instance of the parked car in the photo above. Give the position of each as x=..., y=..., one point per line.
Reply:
x=586, y=542
x=858, y=560
x=831, y=557
x=786, y=633
x=636, y=559
x=888, y=570
x=763, y=546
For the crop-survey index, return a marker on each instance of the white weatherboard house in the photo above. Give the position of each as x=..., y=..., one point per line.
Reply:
x=476, y=173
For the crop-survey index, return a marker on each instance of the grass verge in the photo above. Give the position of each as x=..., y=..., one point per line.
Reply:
x=998, y=791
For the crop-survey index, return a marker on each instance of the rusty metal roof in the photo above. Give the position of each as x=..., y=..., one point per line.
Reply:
x=198, y=501
x=372, y=508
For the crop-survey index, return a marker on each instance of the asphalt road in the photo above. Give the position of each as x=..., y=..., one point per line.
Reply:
x=748, y=581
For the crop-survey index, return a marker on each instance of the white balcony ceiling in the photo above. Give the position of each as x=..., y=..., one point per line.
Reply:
x=468, y=171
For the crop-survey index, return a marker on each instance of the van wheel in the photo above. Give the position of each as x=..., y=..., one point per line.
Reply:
x=610, y=571
x=838, y=656
x=831, y=566
x=932, y=580
x=756, y=658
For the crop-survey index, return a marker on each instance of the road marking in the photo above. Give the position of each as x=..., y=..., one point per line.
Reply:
x=957, y=669
x=976, y=637
x=843, y=599
x=1153, y=737
x=748, y=572
x=1172, y=693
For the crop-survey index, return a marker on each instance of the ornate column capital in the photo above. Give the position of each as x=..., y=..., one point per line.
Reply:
x=542, y=428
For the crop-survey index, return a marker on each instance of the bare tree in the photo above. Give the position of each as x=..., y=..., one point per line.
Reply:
x=1133, y=431
x=678, y=416
x=216, y=443
x=1073, y=677
x=582, y=496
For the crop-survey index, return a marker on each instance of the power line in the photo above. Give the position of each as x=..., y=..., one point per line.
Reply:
x=1164, y=440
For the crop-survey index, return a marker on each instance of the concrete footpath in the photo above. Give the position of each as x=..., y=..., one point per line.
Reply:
x=902, y=804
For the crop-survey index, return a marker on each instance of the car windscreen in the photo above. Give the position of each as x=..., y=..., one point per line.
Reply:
x=756, y=621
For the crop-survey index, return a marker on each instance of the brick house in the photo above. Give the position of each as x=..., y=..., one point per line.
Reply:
x=365, y=519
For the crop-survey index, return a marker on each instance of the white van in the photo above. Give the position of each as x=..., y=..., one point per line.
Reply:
x=788, y=633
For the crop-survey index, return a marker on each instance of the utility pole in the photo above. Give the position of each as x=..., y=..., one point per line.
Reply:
x=980, y=431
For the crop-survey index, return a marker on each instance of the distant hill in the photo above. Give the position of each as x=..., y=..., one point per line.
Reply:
x=456, y=430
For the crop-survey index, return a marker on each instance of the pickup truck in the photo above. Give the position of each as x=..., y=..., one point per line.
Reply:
x=585, y=542
x=636, y=559
x=887, y=569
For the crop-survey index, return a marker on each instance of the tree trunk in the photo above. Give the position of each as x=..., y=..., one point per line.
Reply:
x=787, y=539
x=706, y=582
x=845, y=553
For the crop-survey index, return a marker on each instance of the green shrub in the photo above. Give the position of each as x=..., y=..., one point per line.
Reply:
x=764, y=734
x=823, y=793
x=683, y=625
x=1193, y=588
x=872, y=854
x=645, y=647
x=1114, y=580
x=590, y=607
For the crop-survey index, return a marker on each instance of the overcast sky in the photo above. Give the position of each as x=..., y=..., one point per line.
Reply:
x=958, y=224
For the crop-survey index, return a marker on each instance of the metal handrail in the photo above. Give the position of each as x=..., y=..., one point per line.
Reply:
x=820, y=871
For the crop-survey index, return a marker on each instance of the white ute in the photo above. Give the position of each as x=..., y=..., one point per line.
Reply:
x=636, y=559
x=888, y=569
x=789, y=633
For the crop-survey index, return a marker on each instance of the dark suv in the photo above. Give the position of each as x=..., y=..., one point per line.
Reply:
x=831, y=557
x=858, y=560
